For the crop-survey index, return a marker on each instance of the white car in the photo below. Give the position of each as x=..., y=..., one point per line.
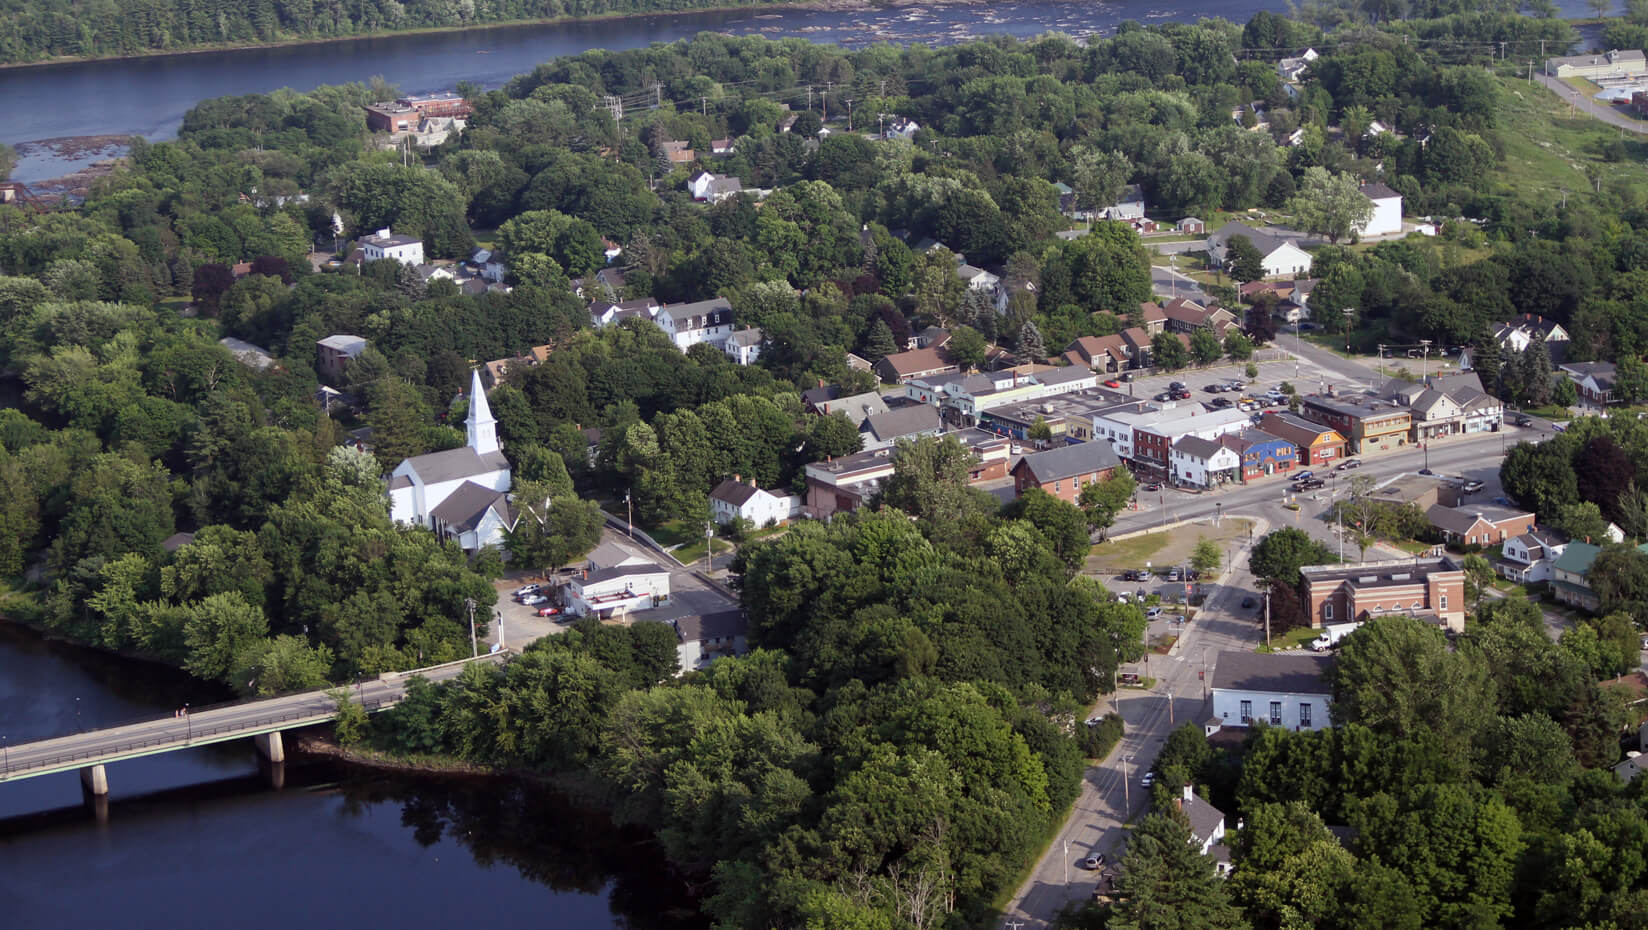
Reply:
x=527, y=589
x=533, y=600
x=1148, y=779
x=1152, y=613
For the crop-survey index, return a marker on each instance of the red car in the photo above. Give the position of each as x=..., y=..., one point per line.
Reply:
x=1113, y=383
x=548, y=611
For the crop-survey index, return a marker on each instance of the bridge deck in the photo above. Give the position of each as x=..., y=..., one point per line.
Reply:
x=208, y=725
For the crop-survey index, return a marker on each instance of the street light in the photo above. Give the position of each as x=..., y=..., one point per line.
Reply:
x=1127, y=801
x=1348, y=312
x=188, y=724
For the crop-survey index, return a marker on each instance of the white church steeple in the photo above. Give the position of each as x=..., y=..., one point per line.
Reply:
x=482, y=428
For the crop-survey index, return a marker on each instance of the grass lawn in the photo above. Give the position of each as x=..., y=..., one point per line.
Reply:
x=484, y=238
x=695, y=552
x=1552, y=151
x=1548, y=412
x=1131, y=553
x=1295, y=637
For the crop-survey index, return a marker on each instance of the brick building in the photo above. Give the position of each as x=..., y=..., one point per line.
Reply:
x=1063, y=472
x=1369, y=424
x=1431, y=589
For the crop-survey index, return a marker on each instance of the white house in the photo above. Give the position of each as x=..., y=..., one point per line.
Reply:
x=977, y=278
x=616, y=591
x=1281, y=255
x=703, y=321
x=1292, y=69
x=606, y=312
x=1387, y=211
x=734, y=499
x=1202, y=463
x=743, y=346
x=1130, y=206
x=336, y=352
x=384, y=245
x=703, y=638
x=901, y=128
x=1207, y=823
x=713, y=188
x=1277, y=689
x=460, y=493
x=1529, y=557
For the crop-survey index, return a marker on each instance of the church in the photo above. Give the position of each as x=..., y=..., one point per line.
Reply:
x=461, y=493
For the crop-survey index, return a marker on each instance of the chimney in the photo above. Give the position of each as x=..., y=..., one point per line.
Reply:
x=752, y=482
x=737, y=479
x=1189, y=792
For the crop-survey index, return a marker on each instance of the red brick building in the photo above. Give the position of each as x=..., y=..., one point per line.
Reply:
x=1430, y=589
x=1317, y=444
x=1065, y=471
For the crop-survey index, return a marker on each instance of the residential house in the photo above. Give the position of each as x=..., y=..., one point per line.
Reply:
x=932, y=337
x=899, y=128
x=1293, y=297
x=1278, y=689
x=1515, y=335
x=1529, y=558
x=1315, y=444
x=1128, y=207
x=1430, y=588
x=1202, y=463
x=1610, y=65
x=977, y=278
x=1207, y=823
x=714, y=188
x=1193, y=226
x=1262, y=453
x=1634, y=762
x=677, y=152
x=616, y=592
x=1570, y=575
x=1595, y=381
x=1292, y=70
x=721, y=147
x=882, y=430
x=1281, y=255
x=1370, y=425
x=1387, y=211
x=336, y=352
x=1480, y=524
x=735, y=499
x=1062, y=472
x=606, y=312
x=459, y=493
x=702, y=321
x=703, y=638
x=386, y=246
x=744, y=346
x=1432, y=413
x=1186, y=316
x=1105, y=354
x=1152, y=319
x=903, y=366
x=856, y=407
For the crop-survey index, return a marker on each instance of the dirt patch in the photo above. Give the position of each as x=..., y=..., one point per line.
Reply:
x=1165, y=548
x=83, y=159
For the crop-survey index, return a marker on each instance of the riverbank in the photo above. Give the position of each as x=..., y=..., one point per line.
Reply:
x=832, y=6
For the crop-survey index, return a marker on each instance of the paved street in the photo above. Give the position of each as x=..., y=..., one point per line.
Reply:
x=1601, y=111
x=205, y=725
x=1169, y=283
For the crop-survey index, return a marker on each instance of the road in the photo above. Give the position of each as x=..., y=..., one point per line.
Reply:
x=1169, y=283
x=206, y=725
x=1109, y=798
x=1599, y=110
x=1111, y=795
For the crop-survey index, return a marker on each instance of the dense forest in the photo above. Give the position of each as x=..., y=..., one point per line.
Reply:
x=41, y=29
x=910, y=725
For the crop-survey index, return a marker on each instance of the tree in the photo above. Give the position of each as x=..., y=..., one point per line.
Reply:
x=1278, y=556
x=1166, y=883
x=879, y=343
x=1534, y=369
x=1631, y=379
x=1168, y=352
x=1239, y=347
x=966, y=346
x=1101, y=500
x=1479, y=576
x=1260, y=323
x=831, y=436
x=1330, y=205
x=1204, y=346
x=1030, y=347
x=552, y=532
x=1582, y=520
x=929, y=478
x=1206, y=557
x=1619, y=576
x=1243, y=260
x=1098, y=176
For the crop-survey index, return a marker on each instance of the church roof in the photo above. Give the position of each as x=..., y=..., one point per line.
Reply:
x=463, y=509
x=452, y=464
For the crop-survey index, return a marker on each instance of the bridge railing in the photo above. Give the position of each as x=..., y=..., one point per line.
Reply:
x=191, y=733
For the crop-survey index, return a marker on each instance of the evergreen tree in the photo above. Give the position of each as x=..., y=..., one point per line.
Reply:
x=1030, y=343
x=1486, y=361
x=1535, y=366
x=879, y=343
x=1167, y=884
x=1243, y=260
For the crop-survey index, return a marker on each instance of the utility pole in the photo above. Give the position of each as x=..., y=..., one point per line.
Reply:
x=1267, y=617
x=849, y=114
x=1425, y=363
x=709, y=543
x=629, y=520
x=703, y=106
x=658, y=94
x=474, y=648
x=1127, y=802
x=809, y=96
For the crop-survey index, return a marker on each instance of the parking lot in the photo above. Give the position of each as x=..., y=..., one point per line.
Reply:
x=1303, y=374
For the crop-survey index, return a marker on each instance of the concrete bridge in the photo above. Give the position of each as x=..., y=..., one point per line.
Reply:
x=263, y=720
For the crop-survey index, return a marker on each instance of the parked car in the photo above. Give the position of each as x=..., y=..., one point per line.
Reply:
x=549, y=611
x=1213, y=388
x=1175, y=385
x=1522, y=419
x=1127, y=376
x=1147, y=779
x=1472, y=486
x=1112, y=383
x=1503, y=502
x=1310, y=484
x=1164, y=396
x=1304, y=476
x=1559, y=428
x=527, y=589
x=1306, y=327
x=1426, y=471
x=1347, y=465
x=1151, y=488
x=1219, y=403
x=1094, y=862
x=1249, y=603
x=1171, y=574
x=1152, y=613
x=533, y=600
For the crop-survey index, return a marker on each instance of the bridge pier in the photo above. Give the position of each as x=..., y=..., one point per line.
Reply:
x=95, y=780
x=271, y=746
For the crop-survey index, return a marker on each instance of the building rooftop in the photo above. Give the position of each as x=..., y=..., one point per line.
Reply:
x=345, y=343
x=621, y=571
x=1380, y=573
x=905, y=421
x=1079, y=459
x=1460, y=519
x=463, y=509
x=1360, y=406
x=736, y=493
x=1378, y=191
x=452, y=464
x=1286, y=673
x=723, y=624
